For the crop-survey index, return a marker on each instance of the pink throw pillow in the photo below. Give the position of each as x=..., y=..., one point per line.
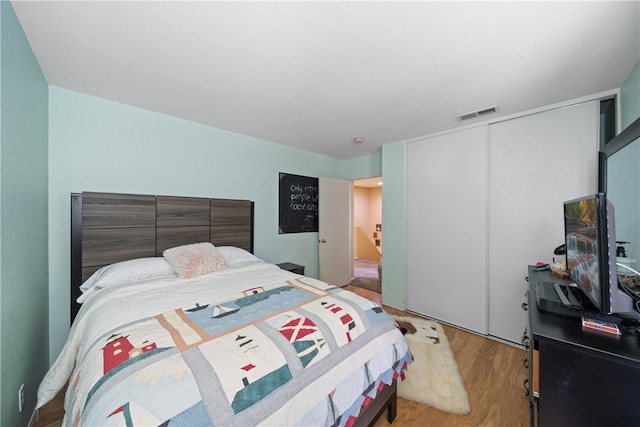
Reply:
x=195, y=260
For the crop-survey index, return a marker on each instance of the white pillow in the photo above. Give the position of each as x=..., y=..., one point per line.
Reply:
x=235, y=255
x=195, y=260
x=132, y=270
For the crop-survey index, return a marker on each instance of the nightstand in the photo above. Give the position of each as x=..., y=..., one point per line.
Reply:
x=294, y=268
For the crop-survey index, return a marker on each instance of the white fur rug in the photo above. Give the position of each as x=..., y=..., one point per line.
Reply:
x=433, y=378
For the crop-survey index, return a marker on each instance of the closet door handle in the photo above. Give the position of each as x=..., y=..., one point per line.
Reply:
x=323, y=240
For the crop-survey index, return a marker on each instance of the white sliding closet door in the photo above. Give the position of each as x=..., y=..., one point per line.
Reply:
x=536, y=162
x=447, y=226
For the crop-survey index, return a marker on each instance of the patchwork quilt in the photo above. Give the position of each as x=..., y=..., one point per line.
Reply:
x=250, y=345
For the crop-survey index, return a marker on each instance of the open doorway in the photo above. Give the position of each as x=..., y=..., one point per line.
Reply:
x=367, y=234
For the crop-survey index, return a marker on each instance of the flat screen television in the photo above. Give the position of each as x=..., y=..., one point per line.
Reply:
x=591, y=253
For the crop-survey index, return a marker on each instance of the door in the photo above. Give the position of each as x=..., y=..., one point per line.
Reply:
x=537, y=162
x=447, y=228
x=334, y=231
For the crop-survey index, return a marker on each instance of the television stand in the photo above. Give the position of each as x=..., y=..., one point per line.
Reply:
x=579, y=377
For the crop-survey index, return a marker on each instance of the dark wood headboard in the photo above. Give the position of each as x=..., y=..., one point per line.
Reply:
x=111, y=227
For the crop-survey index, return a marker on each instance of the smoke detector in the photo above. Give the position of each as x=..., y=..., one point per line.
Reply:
x=358, y=140
x=478, y=113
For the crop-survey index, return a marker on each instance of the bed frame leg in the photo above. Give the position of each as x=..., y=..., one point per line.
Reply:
x=392, y=408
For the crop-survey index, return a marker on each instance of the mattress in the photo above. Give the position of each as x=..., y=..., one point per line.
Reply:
x=248, y=345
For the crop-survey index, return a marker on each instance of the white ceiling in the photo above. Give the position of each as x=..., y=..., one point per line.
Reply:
x=315, y=75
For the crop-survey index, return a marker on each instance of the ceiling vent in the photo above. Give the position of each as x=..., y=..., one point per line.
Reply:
x=478, y=113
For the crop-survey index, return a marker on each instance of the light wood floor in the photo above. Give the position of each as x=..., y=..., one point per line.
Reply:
x=493, y=374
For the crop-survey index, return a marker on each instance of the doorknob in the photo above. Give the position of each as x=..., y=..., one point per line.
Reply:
x=323, y=241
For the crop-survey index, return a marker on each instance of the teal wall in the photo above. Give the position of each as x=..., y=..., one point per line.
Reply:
x=394, y=219
x=362, y=167
x=630, y=98
x=99, y=145
x=23, y=221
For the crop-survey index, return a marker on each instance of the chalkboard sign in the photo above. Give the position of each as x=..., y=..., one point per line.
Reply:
x=298, y=207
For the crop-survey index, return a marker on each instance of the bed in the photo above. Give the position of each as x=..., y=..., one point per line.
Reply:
x=176, y=322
